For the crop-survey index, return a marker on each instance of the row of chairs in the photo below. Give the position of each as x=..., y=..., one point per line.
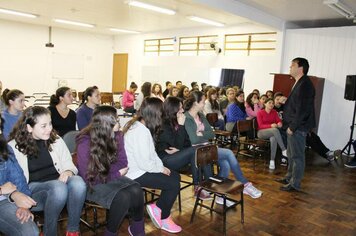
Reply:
x=205, y=155
x=245, y=136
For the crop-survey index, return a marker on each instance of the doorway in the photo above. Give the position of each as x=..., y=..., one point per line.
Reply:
x=119, y=75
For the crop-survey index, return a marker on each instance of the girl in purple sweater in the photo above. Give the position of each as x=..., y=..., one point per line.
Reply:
x=102, y=163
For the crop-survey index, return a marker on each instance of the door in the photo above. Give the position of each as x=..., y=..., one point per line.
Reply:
x=119, y=75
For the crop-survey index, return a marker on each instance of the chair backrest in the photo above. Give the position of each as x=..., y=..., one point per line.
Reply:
x=244, y=126
x=69, y=139
x=206, y=155
x=212, y=118
x=107, y=98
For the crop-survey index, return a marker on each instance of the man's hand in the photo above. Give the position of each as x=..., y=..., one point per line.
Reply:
x=289, y=131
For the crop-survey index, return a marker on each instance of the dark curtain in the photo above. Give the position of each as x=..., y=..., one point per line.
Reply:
x=231, y=77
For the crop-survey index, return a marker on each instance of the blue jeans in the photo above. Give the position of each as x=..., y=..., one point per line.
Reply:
x=227, y=161
x=51, y=197
x=296, y=158
x=10, y=225
x=182, y=158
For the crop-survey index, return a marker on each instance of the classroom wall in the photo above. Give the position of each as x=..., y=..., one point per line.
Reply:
x=331, y=53
x=82, y=59
x=159, y=69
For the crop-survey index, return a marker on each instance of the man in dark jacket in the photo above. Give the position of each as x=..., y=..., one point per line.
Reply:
x=299, y=119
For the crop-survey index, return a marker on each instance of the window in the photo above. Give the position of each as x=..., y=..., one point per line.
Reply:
x=250, y=43
x=197, y=45
x=159, y=47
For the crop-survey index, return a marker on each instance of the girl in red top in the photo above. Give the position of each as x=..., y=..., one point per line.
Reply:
x=268, y=124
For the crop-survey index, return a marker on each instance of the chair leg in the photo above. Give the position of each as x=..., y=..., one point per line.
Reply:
x=95, y=216
x=242, y=208
x=179, y=202
x=197, y=199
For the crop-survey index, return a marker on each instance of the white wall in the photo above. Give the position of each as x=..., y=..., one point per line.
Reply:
x=26, y=64
x=196, y=68
x=331, y=53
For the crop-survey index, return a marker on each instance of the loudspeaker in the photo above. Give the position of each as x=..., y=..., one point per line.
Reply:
x=350, y=88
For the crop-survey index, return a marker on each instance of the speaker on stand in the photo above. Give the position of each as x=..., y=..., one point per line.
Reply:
x=350, y=94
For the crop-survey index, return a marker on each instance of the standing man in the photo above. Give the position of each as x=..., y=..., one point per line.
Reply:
x=299, y=119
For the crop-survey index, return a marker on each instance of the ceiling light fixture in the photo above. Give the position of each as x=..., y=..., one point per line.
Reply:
x=205, y=21
x=68, y=22
x=17, y=13
x=151, y=7
x=124, y=31
x=341, y=8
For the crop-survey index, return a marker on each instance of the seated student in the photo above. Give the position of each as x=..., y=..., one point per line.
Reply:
x=200, y=131
x=235, y=112
x=146, y=168
x=183, y=92
x=212, y=106
x=168, y=87
x=91, y=99
x=173, y=145
x=145, y=92
x=49, y=170
x=268, y=124
x=157, y=91
x=225, y=101
x=15, y=201
x=173, y=92
x=15, y=102
x=269, y=94
x=128, y=98
x=252, y=105
x=63, y=118
x=102, y=163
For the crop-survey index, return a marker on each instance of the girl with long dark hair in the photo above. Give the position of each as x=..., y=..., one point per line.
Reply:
x=212, y=106
x=200, y=131
x=63, y=118
x=102, y=163
x=253, y=105
x=146, y=168
x=145, y=92
x=235, y=112
x=174, y=147
x=49, y=170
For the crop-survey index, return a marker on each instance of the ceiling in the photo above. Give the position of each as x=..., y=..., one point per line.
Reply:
x=106, y=14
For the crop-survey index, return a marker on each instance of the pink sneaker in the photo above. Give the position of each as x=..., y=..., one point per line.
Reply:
x=155, y=214
x=169, y=226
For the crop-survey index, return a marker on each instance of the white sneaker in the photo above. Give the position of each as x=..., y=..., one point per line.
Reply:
x=220, y=201
x=252, y=191
x=284, y=153
x=271, y=165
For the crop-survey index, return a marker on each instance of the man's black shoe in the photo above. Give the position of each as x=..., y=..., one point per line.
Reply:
x=288, y=188
x=282, y=181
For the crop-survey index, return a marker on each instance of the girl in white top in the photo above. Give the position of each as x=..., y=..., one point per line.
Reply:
x=146, y=168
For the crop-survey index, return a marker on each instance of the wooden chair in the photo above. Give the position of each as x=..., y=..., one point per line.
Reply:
x=247, y=129
x=107, y=98
x=225, y=188
x=221, y=136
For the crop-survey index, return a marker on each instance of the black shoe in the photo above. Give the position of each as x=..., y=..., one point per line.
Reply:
x=284, y=161
x=288, y=188
x=282, y=181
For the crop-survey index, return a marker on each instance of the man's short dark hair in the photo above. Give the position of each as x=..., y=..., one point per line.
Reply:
x=302, y=62
x=193, y=84
x=277, y=94
x=178, y=82
x=168, y=82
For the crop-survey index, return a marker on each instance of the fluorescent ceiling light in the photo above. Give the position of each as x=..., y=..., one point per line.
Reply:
x=124, y=31
x=151, y=7
x=68, y=22
x=205, y=21
x=16, y=13
x=340, y=8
